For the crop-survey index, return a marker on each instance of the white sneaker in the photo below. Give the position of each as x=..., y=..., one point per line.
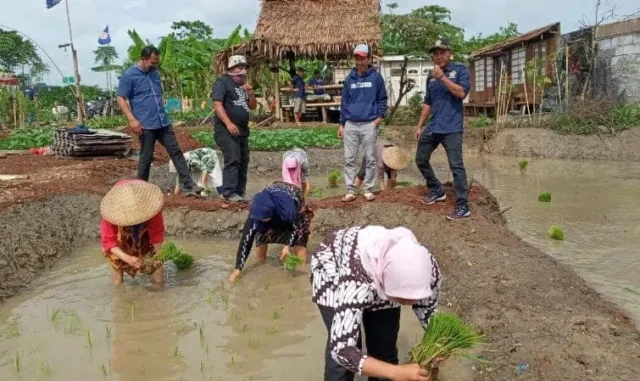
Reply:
x=369, y=196
x=349, y=197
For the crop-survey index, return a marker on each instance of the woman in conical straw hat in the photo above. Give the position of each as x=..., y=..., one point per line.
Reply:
x=390, y=160
x=132, y=229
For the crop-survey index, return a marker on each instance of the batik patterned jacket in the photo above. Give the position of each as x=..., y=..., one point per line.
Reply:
x=339, y=281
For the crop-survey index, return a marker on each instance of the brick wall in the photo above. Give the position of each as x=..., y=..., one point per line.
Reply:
x=618, y=64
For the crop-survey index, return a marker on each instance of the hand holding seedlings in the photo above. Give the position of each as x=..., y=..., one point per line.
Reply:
x=410, y=372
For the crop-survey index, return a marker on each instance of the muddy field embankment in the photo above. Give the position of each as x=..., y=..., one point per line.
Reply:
x=531, y=309
x=540, y=142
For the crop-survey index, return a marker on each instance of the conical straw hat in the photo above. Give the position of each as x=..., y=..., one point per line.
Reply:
x=395, y=158
x=132, y=203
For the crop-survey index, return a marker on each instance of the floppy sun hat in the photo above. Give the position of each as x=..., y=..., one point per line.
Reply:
x=395, y=158
x=132, y=203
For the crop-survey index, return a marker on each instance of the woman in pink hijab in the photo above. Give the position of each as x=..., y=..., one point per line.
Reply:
x=295, y=169
x=360, y=278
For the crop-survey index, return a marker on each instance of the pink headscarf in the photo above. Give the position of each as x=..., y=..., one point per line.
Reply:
x=291, y=171
x=399, y=265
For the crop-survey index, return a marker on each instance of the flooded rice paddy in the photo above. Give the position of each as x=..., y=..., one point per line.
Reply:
x=74, y=325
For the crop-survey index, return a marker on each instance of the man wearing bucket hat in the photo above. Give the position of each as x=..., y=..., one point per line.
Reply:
x=447, y=86
x=364, y=103
x=233, y=100
x=390, y=159
x=132, y=229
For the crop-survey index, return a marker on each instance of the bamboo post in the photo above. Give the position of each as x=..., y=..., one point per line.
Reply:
x=15, y=113
x=276, y=79
x=555, y=67
x=535, y=74
x=526, y=95
x=499, y=97
x=566, y=72
x=76, y=72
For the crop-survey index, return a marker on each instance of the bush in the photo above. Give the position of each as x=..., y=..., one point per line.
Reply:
x=544, y=197
x=592, y=117
x=482, y=121
x=28, y=137
x=556, y=233
x=107, y=122
x=280, y=140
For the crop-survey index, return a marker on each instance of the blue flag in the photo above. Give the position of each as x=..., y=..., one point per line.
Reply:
x=52, y=3
x=105, y=37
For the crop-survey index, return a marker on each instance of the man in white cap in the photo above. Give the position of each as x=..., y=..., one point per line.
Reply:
x=364, y=103
x=233, y=100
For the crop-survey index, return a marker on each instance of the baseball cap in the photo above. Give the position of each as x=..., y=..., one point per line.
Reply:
x=237, y=61
x=361, y=50
x=440, y=43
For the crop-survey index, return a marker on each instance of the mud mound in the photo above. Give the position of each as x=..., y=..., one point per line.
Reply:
x=538, y=142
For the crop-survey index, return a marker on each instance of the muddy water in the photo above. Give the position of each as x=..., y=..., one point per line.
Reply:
x=73, y=325
x=595, y=203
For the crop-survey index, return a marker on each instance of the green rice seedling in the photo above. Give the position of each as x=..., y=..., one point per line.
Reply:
x=143, y=370
x=274, y=329
x=289, y=295
x=291, y=262
x=134, y=309
x=176, y=351
x=556, y=233
x=210, y=296
x=107, y=331
x=171, y=252
x=252, y=305
x=103, y=370
x=87, y=335
x=244, y=328
x=13, y=329
x=54, y=315
x=404, y=183
x=333, y=178
x=544, y=197
x=184, y=261
x=45, y=369
x=203, y=340
x=446, y=336
x=276, y=315
x=523, y=163
x=248, y=378
x=234, y=359
x=225, y=300
x=202, y=368
x=316, y=192
x=254, y=344
x=17, y=363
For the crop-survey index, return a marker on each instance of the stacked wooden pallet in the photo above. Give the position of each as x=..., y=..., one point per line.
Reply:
x=68, y=142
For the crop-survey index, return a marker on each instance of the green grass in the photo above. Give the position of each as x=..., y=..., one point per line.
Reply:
x=544, y=197
x=291, y=262
x=404, y=183
x=446, y=336
x=556, y=233
x=593, y=117
x=284, y=139
x=316, y=192
x=45, y=368
x=523, y=164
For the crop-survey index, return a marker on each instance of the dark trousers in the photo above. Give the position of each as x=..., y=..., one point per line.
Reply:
x=381, y=335
x=452, y=144
x=167, y=137
x=235, y=150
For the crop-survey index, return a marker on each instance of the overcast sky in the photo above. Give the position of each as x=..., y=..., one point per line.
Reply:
x=153, y=18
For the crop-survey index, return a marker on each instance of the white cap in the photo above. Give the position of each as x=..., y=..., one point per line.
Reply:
x=361, y=50
x=236, y=61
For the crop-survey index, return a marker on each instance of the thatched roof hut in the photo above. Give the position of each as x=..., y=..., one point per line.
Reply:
x=309, y=28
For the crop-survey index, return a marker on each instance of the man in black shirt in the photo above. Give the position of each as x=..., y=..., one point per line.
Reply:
x=233, y=100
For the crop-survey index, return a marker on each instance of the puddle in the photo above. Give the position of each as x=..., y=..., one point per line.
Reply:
x=594, y=202
x=74, y=325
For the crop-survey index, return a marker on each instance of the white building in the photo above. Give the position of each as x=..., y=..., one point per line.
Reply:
x=417, y=69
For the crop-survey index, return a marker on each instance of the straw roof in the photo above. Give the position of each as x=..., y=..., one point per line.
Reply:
x=516, y=41
x=309, y=28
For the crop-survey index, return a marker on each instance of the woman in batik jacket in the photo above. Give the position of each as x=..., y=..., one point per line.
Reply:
x=360, y=276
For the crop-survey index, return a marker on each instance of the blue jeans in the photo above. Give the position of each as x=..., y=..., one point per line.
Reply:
x=452, y=144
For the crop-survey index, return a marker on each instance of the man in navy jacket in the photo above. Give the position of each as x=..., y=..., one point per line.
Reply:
x=364, y=103
x=447, y=86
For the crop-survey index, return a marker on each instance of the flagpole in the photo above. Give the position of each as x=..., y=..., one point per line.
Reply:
x=76, y=72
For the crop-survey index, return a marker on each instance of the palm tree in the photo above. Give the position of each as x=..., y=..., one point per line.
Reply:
x=105, y=56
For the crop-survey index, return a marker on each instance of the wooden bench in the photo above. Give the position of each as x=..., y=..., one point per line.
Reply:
x=475, y=109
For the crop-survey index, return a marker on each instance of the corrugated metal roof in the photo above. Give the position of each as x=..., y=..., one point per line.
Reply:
x=506, y=45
